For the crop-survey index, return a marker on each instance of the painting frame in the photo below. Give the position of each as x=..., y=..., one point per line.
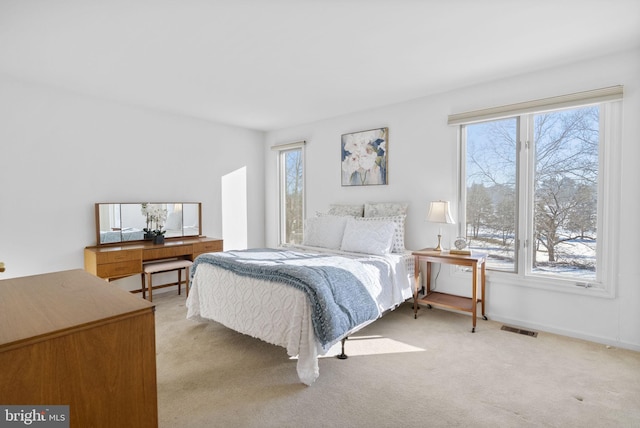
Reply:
x=365, y=157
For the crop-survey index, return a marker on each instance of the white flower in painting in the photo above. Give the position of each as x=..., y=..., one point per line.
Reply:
x=352, y=144
x=368, y=157
x=350, y=164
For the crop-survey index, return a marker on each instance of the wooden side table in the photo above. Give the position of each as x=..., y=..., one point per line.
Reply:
x=475, y=261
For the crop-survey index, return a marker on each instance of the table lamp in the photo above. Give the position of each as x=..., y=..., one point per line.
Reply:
x=439, y=213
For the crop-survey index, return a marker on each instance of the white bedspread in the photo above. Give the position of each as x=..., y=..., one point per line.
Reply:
x=280, y=314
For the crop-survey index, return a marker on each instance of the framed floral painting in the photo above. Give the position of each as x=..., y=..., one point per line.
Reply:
x=364, y=157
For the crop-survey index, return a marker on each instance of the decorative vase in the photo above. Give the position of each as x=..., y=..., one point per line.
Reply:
x=148, y=236
x=158, y=239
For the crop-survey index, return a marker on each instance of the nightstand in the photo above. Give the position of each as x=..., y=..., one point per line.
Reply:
x=476, y=261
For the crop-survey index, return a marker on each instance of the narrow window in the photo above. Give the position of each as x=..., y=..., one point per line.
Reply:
x=291, y=177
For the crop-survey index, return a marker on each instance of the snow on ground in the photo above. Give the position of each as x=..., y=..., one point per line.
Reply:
x=575, y=258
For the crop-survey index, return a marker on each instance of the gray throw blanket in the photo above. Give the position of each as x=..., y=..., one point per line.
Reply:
x=339, y=300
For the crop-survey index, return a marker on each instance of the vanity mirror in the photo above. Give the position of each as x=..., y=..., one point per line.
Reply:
x=126, y=222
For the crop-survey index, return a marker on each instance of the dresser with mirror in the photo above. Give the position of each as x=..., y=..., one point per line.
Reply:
x=123, y=243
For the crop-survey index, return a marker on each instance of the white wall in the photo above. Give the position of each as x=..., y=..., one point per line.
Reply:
x=61, y=152
x=422, y=167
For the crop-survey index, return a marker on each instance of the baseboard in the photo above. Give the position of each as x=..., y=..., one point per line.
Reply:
x=567, y=333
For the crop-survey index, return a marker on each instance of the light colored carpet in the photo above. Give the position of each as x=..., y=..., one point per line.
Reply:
x=401, y=372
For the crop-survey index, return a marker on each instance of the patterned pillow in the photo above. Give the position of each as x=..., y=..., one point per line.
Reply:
x=385, y=209
x=398, y=236
x=325, y=231
x=348, y=210
x=370, y=237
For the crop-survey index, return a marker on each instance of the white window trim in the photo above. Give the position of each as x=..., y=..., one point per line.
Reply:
x=609, y=197
x=281, y=150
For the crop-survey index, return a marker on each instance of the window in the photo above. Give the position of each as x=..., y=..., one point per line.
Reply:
x=291, y=194
x=565, y=169
x=534, y=190
x=491, y=189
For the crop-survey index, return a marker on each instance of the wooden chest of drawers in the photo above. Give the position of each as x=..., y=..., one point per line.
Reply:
x=67, y=338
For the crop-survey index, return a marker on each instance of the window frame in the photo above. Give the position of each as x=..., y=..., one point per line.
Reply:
x=610, y=103
x=282, y=151
x=462, y=188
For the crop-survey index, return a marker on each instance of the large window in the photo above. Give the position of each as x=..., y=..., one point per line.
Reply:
x=291, y=194
x=534, y=191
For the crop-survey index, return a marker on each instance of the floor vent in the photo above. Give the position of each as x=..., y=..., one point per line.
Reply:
x=520, y=331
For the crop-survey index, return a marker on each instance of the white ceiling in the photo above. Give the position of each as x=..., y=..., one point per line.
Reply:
x=269, y=64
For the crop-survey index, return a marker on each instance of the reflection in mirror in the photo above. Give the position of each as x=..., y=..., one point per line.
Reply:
x=191, y=219
x=130, y=221
x=173, y=225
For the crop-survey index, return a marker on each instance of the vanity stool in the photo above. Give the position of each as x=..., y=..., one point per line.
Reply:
x=148, y=269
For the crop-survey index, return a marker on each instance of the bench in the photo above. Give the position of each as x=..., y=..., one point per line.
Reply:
x=148, y=269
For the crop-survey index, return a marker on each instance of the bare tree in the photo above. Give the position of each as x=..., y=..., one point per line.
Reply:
x=565, y=178
x=566, y=161
x=479, y=209
x=294, y=197
x=504, y=214
x=582, y=219
x=491, y=180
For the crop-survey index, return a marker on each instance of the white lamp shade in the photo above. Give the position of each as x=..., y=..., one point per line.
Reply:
x=439, y=212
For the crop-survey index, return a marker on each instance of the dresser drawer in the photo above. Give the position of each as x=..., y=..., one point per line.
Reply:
x=207, y=247
x=119, y=256
x=167, y=252
x=114, y=270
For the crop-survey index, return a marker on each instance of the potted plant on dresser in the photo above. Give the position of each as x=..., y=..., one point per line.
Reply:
x=156, y=216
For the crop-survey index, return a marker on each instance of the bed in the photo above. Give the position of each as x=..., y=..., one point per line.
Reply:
x=349, y=272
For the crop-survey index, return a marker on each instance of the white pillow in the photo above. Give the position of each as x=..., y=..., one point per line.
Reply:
x=371, y=237
x=325, y=231
x=398, y=236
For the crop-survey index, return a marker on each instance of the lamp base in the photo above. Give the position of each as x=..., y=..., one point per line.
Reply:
x=438, y=248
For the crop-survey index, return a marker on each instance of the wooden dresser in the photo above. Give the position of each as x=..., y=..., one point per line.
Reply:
x=68, y=338
x=113, y=262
